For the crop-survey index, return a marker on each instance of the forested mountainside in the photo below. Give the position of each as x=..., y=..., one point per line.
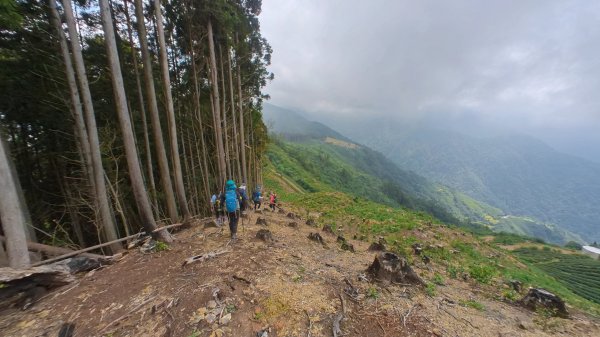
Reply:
x=122, y=114
x=361, y=171
x=516, y=173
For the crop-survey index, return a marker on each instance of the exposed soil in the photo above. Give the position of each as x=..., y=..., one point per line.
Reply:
x=289, y=287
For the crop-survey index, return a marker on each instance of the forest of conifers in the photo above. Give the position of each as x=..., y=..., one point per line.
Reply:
x=119, y=116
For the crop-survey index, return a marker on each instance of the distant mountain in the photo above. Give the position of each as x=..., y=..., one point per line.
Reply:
x=294, y=126
x=516, y=173
x=316, y=149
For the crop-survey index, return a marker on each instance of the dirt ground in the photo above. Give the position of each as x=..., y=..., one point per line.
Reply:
x=289, y=287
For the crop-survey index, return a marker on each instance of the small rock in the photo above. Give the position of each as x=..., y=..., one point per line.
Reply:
x=211, y=224
x=211, y=304
x=225, y=319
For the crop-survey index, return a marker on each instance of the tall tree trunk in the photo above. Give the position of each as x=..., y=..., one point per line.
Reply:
x=138, y=83
x=242, y=129
x=224, y=110
x=236, y=136
x=164, y=66
x=163, y=164
x=11, y=212
x=105, y=215
x=80, y=128
x=201, y=126
x=133, y=163
x=216, y=100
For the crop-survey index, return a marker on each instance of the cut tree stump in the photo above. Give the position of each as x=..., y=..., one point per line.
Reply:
x=264, y=235
x=328, y=229
x=316, y=237
x=261, y=221
x=417, y=248
x=389, y=267
x=291, y=215
x=538, y=298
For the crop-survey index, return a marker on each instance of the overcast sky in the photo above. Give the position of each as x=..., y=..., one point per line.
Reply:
x=532, y=66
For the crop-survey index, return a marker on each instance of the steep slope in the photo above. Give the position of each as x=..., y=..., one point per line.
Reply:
x=518, y=174
x=363, y=172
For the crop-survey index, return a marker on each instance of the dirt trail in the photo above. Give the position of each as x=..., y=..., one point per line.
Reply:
x=289, y=287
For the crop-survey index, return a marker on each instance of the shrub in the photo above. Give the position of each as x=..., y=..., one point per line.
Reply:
x=482, y=273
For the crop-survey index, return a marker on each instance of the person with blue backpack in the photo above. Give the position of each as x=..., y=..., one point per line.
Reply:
x=256, y=198
x=232, y=206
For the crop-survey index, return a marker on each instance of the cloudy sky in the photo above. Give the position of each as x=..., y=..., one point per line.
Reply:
x=528, y=66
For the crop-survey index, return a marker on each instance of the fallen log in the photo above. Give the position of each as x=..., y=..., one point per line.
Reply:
x=52, y=250
x=77, y=252
x=22, y=287
x=203, y=257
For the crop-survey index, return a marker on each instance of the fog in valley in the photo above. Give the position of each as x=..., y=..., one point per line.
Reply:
x=479, y=68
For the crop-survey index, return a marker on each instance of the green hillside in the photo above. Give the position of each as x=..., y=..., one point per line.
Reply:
x=319, y=166
x=301, y=153
x=455, y=254
x=518, y=174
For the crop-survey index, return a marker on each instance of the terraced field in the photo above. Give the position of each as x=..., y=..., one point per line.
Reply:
x=579, y=273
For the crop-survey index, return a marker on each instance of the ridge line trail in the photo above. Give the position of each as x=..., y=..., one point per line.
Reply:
x=288, y=286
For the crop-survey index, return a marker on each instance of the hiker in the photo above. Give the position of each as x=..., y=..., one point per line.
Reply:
x=218, y=206
x=256, y=198
x=232, y=206
x=243, y=197
x=272, y=201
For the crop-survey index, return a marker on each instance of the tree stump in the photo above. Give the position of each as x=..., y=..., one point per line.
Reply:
x=316, y=237
x=378, y=246
x=348, y=246
x=291, y=215
x=389, y=267
x=311, y=222
x=417, y=248
x=540, y=298
x=264, y=235
x=328, y=229
x=261, y=221
x=293, y=224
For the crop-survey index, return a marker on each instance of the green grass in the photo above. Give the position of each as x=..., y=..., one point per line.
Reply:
x=579, y=273
x=462, y=255
x=472, y=304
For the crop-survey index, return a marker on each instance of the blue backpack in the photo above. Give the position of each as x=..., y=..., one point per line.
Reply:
x=231, y=201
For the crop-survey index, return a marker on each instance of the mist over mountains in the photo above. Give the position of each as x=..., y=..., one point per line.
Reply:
x=516, y=173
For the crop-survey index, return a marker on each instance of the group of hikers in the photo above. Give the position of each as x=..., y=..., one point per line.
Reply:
x=234, y=202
